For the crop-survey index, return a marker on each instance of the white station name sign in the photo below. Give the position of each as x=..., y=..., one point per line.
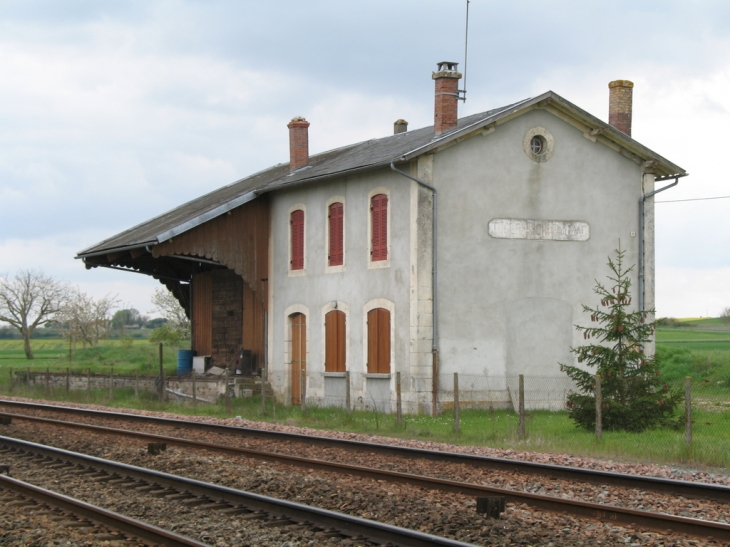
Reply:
x=552, y=230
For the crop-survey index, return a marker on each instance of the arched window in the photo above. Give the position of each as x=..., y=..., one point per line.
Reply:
x=379, y=224
x=297, y=240
x=337, y=241
x=379, y=341
x=334, y=331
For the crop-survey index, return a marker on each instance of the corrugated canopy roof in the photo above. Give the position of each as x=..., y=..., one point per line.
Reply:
x=354, y=158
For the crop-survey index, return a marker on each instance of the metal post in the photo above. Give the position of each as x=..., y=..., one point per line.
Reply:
x=48, y=379
x=435, y=381
x=303, y=392
x=68, y=380
x=161, y=388
x=10, y=385
x=457, y=415
x=347, y=390
x=398, y=402
x=88, y=382
x=195, y=389
x=599, y=408
x=136, y=385
x=688, y=409
x=111, y=383
x=521, y=406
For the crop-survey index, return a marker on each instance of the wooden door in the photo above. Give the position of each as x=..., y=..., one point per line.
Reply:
x=334, y=327
x=379, y=341
x=298, y=355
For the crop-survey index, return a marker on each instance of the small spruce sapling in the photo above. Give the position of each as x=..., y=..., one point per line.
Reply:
x=634, y=398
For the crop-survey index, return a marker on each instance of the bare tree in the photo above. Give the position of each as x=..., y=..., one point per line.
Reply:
x=87, y=319
x=28, y=300
x=725, y=315
x=168, y=306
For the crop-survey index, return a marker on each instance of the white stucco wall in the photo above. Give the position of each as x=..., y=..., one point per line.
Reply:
x=508, y=306
x=354, y=285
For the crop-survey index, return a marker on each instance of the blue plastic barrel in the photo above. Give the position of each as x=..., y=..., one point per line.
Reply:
x=184, y=361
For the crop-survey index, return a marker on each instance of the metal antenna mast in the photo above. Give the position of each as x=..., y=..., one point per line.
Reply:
x=462, y=92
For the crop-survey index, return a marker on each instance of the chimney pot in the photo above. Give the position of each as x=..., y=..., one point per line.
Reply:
x=400, y=126
x=620, y=99
x=446, y=97
x=298, y=143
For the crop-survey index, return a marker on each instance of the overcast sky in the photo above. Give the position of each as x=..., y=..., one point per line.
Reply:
x=112, y=112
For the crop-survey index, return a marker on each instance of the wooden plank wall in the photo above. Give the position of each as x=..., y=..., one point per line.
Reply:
x=202, y=314
x=238, y=240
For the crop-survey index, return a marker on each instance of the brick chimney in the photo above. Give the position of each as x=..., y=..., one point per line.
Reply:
x=447, y=97
x=400, y=126
x=620, y=100
x=298, y=143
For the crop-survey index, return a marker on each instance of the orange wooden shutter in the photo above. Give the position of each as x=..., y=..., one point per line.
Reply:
x=379, y=221
x=297, y=240
x=336, y=218
x=334, y=323
x=379, y=341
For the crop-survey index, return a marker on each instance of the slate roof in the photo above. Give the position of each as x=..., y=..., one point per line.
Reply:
x=342, y=161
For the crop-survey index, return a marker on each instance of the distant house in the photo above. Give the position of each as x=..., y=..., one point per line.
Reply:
x=468, y=246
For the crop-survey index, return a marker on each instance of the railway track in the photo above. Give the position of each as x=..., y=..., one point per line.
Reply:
x=74, y=513
x=270, y=512
x=687, y=489
x=651, y=520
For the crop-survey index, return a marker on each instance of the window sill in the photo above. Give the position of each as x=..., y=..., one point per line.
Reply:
x=334, y=374
x=372, y=265
x=334, y=269
x=297, y=273
x=377, y=376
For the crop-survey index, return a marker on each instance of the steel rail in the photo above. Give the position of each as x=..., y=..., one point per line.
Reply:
x=110, y=519
x=656, y=521
x=296, y=512
x=687, y=489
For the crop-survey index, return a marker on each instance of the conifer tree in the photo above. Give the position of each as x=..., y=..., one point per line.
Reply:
x=634, y=397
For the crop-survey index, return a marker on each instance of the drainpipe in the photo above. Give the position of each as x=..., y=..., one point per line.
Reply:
x=434, y=278
x=642, y=199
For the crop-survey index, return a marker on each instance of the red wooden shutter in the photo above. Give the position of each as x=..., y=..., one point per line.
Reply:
x=297, y=240
x=379, y=220
x=336, y=214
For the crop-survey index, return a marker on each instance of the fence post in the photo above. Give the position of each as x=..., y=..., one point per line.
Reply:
x=68, y=380
x=10, y=385
x=521, y=406
x=599, y=408
x=347, y=390
x=303, y=392
x=195, y=389
x=161, y=388
x=48, y=380
x=136, y=385
x=263, y=391
x=228, y=396
x=457, y=410
x=398, y=402
x=88, y=382
x=111, y=383
x=688, y=409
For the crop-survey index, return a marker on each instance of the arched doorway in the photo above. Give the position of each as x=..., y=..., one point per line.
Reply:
x=298, y=322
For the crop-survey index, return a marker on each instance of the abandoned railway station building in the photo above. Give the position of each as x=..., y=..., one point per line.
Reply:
x=468, y=246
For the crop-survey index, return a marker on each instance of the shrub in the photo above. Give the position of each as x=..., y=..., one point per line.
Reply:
x=634, y=396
